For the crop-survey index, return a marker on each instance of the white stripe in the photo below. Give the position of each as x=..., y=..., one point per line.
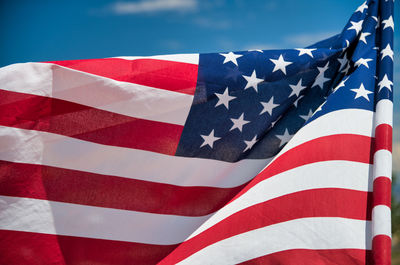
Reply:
x=346, y=121
x=383, y=164
x=192, y=58
x=57, y=218
x=45, y=79
x=42, y=148
x=306, y=233
x=381, y=221
x=328, y=174
x=384, y=112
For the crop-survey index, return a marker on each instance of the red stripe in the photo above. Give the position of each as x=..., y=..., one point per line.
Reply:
x=381, y=244
x=168, y=75
x=383, y=137
x=381, y=250
x=33, y=248
x=348, y=147
x=315, y=257
x=86, y=123
x=311, y=203
x=64, y=185
x=382, y=191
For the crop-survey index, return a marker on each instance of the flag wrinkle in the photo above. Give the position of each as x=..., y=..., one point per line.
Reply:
x=259, y=156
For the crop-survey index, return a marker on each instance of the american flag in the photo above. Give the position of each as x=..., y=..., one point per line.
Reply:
x=256, y=157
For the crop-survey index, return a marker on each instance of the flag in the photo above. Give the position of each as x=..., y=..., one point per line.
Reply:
x=256, y=157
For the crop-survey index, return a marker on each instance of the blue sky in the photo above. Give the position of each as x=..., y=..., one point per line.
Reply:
x=47, y=30
x=44, y=30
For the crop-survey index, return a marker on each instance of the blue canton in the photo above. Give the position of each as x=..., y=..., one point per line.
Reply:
x=248, y=104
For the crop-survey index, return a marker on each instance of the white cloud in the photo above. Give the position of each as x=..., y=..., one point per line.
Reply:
x=172, y=45
x=211, y=23
x=306, y=39
x=152, y=6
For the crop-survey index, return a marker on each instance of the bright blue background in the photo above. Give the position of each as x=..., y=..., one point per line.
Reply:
x=58, y=30
x=43, y=30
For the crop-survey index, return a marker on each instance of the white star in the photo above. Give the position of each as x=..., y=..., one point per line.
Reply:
x=346, y=70
x=343, y=61
x=362, y=61
x=296, y=89
x=388, y=23
x=347, y=45
x=321, y=79
x=209, y=139
x=361, y=92
x=255, y=50
x=297, y=101
x=323, y=69
x=249, y=144
x=385, y=82
x=363, y=35
x=252, y=81
x=356, y=26
x=268, y=106
x=306, y=117
x=362, y=7
x=284, y=138
x=341, y=84
x=280, y=64
x=306, y=51
x=231, y=57
x=238, y=123
x=320, y=107
x=224, y=99
x=387, y=52
x=377, y=20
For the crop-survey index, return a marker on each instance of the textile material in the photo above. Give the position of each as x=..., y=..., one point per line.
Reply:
x=256, y=157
